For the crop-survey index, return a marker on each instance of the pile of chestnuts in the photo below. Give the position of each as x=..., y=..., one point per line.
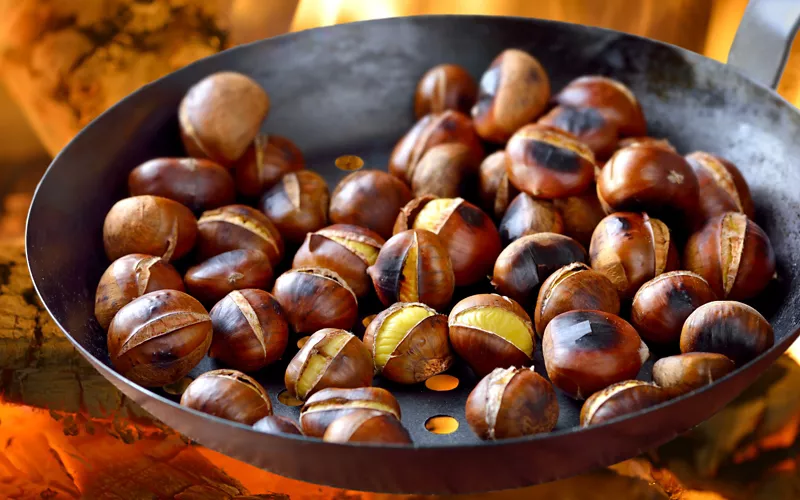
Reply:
x=600, y=243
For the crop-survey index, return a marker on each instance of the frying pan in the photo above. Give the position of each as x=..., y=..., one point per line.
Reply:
x=348, y=90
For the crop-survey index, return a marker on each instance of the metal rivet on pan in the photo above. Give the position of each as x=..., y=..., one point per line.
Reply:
x=301, y=342
x=441, y=424
x=442, y=383
x=285, y=398
x=349, y=162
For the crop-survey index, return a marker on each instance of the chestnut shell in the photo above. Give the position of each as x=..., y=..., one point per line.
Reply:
x=228, y=394
x=213, y=279
x=353, y=200
x=325, y=406
x=199, y=184
x=315, y=298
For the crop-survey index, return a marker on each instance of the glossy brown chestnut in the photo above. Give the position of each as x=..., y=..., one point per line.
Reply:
x=661, y=305
x=250, y=330
x=722, y=186
x=446, y=171
x=580, y=215
x=237, y=226
x=490, y=331
x=573, y=287
x=413, y=266
x=733, y=254
x=313, y=298
x=513, y=91
x=228, y=394
x=645, y=141
x=589, y=125
x=354, y=200
x=443, y=87
x=198, y=184
x=494, y=190
x=611, y=97
x=220, y=115
x=129, y=277
x=158, y=338
x=330, y=358
x=620, y=399
x=686, y=372
x=512, y=402
x=468, y=234
x=526, y=215
x=327, y=405
x=630, y=249
x=277, y=424
x=547, y=162
x=213, y=279
x=586, y=351
x=726, y=327
x=526, y=263
x=267, y=159
x=409, y=343
x=367, y=426
x=150, y=225
x=297, y=205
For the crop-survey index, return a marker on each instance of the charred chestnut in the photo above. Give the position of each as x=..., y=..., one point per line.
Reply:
x=213, y=279
x=277, y=424
x=580, y=215
x=526, y=215
x=266, y=161
x=237, y=226
x=353, y=200
x=297, y=204
x=443, y=87
x=589, y=125
x=228, y=394
x=367, y=426
x=620, y=399
x=614, y=99
x=722, y=186
x=446, y=171
x=313, y=298
x=327, y=405
x=494, y=189
x=198, y=184
x=686, y=372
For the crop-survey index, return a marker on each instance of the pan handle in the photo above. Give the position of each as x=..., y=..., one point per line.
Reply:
x=764, y=38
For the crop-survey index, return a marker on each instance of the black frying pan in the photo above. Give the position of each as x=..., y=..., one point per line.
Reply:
x=348, y=90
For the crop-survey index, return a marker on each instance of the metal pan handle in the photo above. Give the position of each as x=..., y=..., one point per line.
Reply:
x=764, y=38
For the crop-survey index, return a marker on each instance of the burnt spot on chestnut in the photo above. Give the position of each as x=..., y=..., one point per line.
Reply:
x=587, y=124
x=553, y=157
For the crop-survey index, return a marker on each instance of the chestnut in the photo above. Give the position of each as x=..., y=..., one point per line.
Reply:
x=345, y=249
x=198, y=184
x=354, y=200
x=129, y=277
x=446, y=171
x=468, y=234
x=512, y=402
x=513, y=91
x=722, y=186
x=586, y=351
x=620, y=399
x=526, y=215
x=611, y=97
x=630, y=249
x=526, y=263
x=267, y=159
x=277, y=424
x=489, y=331
x=297, y=205
x=409, y=344
x=213, y=279
x=547, y=162
x=325, y=406
x=367, y=426
x=313, y=298
x=250, y=330
x=574, y=286
x=413, y=266
x=726, y=327
x=645, y=141
x=156, y=339
x=661, y=305
x=580, y=214
x=237, y=226
x=330, y=358
x=589, y=125
x=733, y=254
x=443, y=87
x=686, y=372
x=220, y=115
x=150, y=225
x=494, y=189
x=228, y=394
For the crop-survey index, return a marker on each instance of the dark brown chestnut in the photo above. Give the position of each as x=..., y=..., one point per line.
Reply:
x=580, y=215
x=354, y=200
x=722, y=186
x=686, y=372
x=446, y=171
x=277, y=424
x=266, y=161
x=198, y=184
x=622, y=398
x=589, y=125
x=367, y=426
x=327, y=405
x=228, y=394
x=237, y=226
x=613, y=98
x=297, y=205
x=313, y=298
x=494, y=189
x=646, y=141
x=527, y=215
x=443, y=87
x=213, y=279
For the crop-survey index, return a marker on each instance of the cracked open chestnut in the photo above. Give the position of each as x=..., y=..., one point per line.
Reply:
x=297, y=204
x=446, y=171
x=611, y=97
x=267, y=159
x=313, y=298
x=620, y=399
x=277, y=424
x=360, y=190
x=443, y=87
x=213, y=279
x=494, y=190
x=325, y=406
x=683, y=373
x=196, y=183
x=526, y=215
x=228, y=394
x=237, y=226
x=589, y=125
x=722, y=186
x=367, y=426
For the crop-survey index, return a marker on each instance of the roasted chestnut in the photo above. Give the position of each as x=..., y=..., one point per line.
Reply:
x=327, y=405
x=547, y=162
x=512, y=402
x=722, y=186
x=645, y=141
x=408, y=342
x=345, y=249
x=367, y=426
x=494, y=189
x=611, y=97
x=586, y=351
x=620, y=399
x=277, y=424
x=686, y=372
x=580, y=215
x=726, y=327
x=446, y=171
x=468, y=234
x=330, y=358
x=250, y=330
x=238, y=226
x=526, y=215
x=413, y=266
x=661, y=305
x=129, y=277
x=313, y=298
x=354, y=200
x=266, y=161
x=589, y=125
x=443, y=87
x=150, y=225
x=156, y=339
x=228, y=394
x=198, y=184
x=220, y=115
x=490, y=331
x=513, y=91
x=575, y=286
x=297, y=205
x=630, y=249
x=213, y=279
x=733, y=254
x=524, y=264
